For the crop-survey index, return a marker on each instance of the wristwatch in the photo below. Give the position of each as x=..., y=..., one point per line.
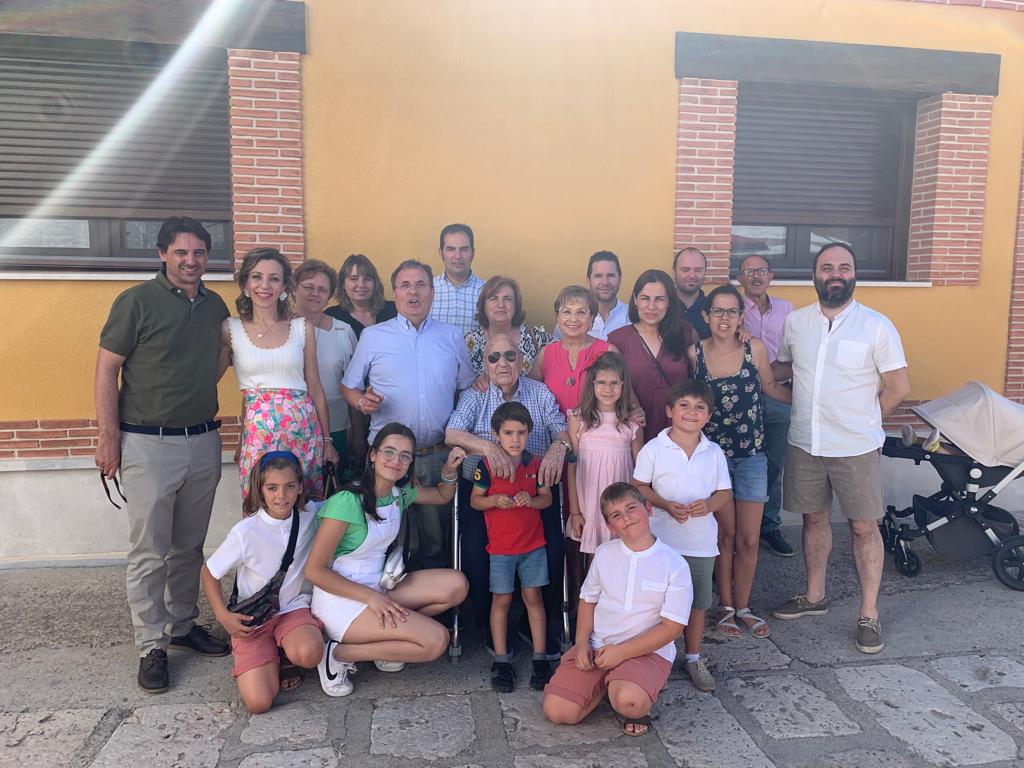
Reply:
x=569, y=455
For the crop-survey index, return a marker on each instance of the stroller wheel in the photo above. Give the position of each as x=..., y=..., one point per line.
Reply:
x=906, y=560
x=1008, y=563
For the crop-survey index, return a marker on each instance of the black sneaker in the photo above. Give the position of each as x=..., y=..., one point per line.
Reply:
x=503, y=679
x=153, y=676
x=541, y=675
x=777, y=543
x=199, y=640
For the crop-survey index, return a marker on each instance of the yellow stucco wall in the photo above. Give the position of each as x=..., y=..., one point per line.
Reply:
x=550, y=128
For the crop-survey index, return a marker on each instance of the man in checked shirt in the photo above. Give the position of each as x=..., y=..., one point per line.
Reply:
x=456, y=289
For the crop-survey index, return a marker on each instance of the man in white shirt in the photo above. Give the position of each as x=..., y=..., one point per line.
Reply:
x=604, y=276
x=849, y=372
x=456, y=289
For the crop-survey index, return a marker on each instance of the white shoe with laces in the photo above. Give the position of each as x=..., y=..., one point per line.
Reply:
x=334, y=674
x=389, y=666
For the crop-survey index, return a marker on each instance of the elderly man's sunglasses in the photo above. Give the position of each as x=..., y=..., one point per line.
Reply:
x=117, y=487
x=509, y=355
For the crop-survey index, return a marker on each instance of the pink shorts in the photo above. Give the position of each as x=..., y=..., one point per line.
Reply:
x=570, y=682
x=261, y=646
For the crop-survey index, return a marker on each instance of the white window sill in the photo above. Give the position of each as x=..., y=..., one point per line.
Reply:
x=860, y=284
x=113, y=277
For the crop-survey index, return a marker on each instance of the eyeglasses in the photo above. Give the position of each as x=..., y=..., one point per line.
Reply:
x=723, y=312
x=759, y=271
x=390, y=454
x=314, y=288
x=117, y=487
x=510, y=356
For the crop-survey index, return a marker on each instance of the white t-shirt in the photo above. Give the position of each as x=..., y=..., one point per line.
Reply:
x=634, y=590
x=837, y=376
x=334, y=348
x=684, y=479
x=255, y=546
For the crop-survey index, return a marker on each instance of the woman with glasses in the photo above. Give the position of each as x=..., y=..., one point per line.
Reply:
x=315, y=284
x=365, y=620
x=738, y=373
x=654, y=345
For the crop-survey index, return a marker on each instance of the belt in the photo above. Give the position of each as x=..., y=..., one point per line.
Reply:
x=195, y=429
x=435, y=448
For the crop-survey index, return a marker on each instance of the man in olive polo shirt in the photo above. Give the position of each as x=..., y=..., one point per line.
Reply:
x=163, y=337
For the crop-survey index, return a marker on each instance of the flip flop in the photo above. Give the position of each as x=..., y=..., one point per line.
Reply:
x=635, y=721
x=291, y=677
x=759, y=628
x=726, y=621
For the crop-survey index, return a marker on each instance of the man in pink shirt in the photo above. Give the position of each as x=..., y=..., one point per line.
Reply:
x=764, y=318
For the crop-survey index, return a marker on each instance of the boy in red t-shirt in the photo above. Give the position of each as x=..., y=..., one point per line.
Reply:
x=515, y=536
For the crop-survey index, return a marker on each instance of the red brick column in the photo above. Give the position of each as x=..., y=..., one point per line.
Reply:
x=1015, y=340
x=266, y=152
x=705, y=149
x=948, y=194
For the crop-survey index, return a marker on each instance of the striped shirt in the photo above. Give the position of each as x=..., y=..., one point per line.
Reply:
x=456, y=305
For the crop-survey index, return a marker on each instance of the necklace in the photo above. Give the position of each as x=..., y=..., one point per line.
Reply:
x=265, y=331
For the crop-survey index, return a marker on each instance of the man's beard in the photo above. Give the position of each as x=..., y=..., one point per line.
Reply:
x=835, y=294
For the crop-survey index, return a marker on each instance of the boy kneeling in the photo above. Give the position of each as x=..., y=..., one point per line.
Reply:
x=633, y=605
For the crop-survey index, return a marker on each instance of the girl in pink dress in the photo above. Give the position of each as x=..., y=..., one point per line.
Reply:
x=606, y=441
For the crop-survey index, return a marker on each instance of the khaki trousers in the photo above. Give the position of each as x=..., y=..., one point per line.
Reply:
x=170, y=484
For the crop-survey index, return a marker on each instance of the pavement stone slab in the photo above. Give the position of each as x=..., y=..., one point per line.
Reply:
x=169, y=736
x=697, y=730
x=1013, y=713
x=321, y=757
x=427, y=727
x=46, y=738
x=526, y=726
x=864, y=758
x=625, y=757
x=925, y=716
x=742, y=654
x=293, y=723
x=977, y=672
x=790, y=707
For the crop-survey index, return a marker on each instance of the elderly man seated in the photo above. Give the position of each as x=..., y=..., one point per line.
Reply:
x=470, y=428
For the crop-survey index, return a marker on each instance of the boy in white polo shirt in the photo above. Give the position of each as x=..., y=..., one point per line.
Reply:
x=686, y=477
x=633, y=605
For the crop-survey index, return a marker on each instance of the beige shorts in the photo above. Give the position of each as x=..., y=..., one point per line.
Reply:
x=809, y=482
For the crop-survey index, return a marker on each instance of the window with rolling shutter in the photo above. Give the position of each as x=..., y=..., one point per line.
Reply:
x=100, y=141
x=818, y=164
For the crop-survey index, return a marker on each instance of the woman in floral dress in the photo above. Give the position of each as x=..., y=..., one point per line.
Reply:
x=737, y=373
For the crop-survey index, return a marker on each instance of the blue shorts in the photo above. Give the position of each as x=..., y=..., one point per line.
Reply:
x=749, y=475
x=532, y=567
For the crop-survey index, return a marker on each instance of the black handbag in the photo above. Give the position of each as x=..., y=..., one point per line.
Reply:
x=331, y=486
x=264, y=604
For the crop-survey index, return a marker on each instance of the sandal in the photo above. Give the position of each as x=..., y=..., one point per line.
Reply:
x=290, y=676
x=759, y=628
x=726, y=621
x=645, y=721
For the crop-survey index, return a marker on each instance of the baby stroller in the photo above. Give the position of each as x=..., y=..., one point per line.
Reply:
x=977, y=442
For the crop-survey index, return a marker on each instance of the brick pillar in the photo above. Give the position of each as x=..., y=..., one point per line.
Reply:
x=948, y=194
x=1015, y=340
x=266, y=152
x=705, y=150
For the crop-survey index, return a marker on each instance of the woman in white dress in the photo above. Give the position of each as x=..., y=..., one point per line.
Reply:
x=363, y=622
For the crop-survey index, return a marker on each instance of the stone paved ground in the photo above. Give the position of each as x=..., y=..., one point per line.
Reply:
x=948, y=690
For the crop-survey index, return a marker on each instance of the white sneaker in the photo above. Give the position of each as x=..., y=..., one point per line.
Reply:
x=389, y=666
x=334, y=674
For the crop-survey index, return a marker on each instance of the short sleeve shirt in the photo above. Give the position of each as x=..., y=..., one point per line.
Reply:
x=171, y=347
x=635, y=590
x=837, y=374
x=684, y=479
x=519, y=529
x=348, y=508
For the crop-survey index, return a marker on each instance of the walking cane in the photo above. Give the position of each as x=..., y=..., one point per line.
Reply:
x=566, y=643
x=455, y=643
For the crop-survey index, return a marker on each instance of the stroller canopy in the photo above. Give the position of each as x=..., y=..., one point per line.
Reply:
x=984, y=425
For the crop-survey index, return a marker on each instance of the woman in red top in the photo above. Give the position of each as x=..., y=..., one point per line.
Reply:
x=654, y=345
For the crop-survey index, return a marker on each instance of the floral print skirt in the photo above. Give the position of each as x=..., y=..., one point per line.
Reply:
x=282, y=420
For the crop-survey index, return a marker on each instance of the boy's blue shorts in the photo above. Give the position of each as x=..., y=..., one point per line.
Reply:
x=532, y=567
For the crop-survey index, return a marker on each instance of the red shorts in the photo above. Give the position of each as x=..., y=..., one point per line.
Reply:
x=261, y=646
x=570, y=682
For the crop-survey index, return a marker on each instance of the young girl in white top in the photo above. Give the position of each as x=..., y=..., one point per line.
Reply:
x=255, y=547
x=606, y=440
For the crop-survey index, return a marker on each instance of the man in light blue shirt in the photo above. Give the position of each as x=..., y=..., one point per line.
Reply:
x=456, y=289
x=412, y=367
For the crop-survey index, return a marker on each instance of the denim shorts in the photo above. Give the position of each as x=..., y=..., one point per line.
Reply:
x=532, y=567
x=749, y=475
